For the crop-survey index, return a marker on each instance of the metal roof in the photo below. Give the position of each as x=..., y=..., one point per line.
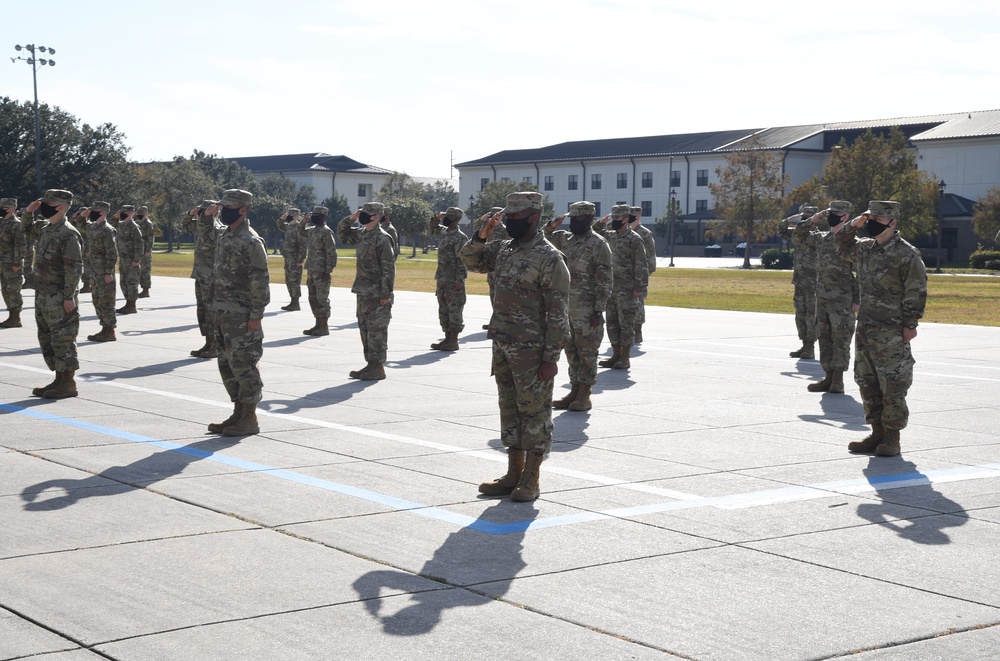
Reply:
x=956, y=206
x=306, y=162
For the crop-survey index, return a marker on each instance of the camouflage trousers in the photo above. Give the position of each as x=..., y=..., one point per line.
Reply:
x=804, y=299
x=318, y=288
x=834, y=330
x=203, y=306
x=525, y=400
x=10, y=285
x=883, y=369
x=582, y=351
x=57, y=331
x=103, y=295
x=239, y=352
x=621, y=315
x=128, y=278
x=146, y=272
x=373, y=322
x=491, y=280
x=640, y=314
x=451, y=304
x=293, y=278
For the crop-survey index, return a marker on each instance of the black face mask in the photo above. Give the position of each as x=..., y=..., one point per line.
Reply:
x=833, y=219
x=229, y=216
x=47, y=210
x=364, y=218
x=874, y=228
x=579, y=226
x=517, y=227
x=631, y=219
x=140, y=216
x=94, y=215
x=617, y=224
x=317, y=219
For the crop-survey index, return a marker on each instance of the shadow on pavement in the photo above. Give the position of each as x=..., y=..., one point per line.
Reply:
x=314, y=400
x=146, y=370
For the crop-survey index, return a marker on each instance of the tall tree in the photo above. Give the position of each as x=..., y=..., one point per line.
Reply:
x=338, y=206
x=440, y=195
x=748, y=197
x=170, y=189
x=410, y=216
x=494, y=194
x=670, y=213
x=986, y=216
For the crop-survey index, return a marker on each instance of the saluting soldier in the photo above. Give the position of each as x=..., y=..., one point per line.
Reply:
x=102, y=255
x=12, y=249
x=130, y=249
x=390, y=229
x=804, y=280
x=321, y=259
x=206, y=229
x=293, y=251
x=145, y=225
x=450, y=276
x=649, y=243
x=631, y=278
x=499, y=234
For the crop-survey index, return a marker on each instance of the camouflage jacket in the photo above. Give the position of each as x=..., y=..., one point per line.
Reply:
x=835, y=280
x=130, y=243
x=891, y=278
x=102, y=248
x=649, y=243
x=376, y=263
x=242, y=283
x=390, y=229
x=531, y=307
x=322, y=254
x=450, y=267
x=148, y=234
x=12, y=242
x=588, y=258
x=206, y=230
x=804, y=267
x=59, y=259
x=631, y=270
x=294, y=246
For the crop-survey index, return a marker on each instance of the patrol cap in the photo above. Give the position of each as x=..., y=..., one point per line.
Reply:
x=453, y=213
x=495, y=210
x=293, y=212
x=126, y=208
x=807, y=211
x=321, y=211
x=886, y=208
x=100, y=206
x=583, y=208
x=373, y=208
x=841, y=206
x=142, y=209
x=236, y=197
x=621, y=210
x=57, y=196
x=635, y=211
x=207, y=203
x=517, y=202
x=8, y=202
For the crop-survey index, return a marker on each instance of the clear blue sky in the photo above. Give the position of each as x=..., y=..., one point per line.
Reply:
x=399, y=84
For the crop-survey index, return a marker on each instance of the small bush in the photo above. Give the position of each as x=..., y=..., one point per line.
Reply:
x=979, y=258
x=993, y=265
x=772, y=258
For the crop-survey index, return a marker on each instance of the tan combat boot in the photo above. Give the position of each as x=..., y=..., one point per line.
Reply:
x=562, y=404
x=312, y=331
x=822, y=385
x=128, y=308
x=13, y=320
x=837, y=381
x=890, y=446
x=374, y=372
x=616, y=353
x=199, y=353
x=638, y=333
x=219, y=427
x=245, y=424
x=504, y=485
x=868, y=444
x=450, y=341
x=211, y=349
x=582, y=401
x=39, y=392
x=527, y=487
x=107, y=334
x=293, y=306
x=356, y=374
x=320, y=329
x=624, y=361
x=65, y=387
x=144, y=293
x=805, y=351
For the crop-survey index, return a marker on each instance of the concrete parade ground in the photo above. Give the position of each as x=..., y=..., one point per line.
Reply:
x=706, y=508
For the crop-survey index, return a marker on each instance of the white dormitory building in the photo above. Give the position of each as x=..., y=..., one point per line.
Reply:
x=961, y=149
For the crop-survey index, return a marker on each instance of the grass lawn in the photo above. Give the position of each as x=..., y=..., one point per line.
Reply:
x=951, y=299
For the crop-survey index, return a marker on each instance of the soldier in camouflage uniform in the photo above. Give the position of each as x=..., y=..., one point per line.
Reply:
x=320, y=262
x=588, y=257
x=499, y=234
x=374, y=282
x=450, y=276
x=145, y=225
x=58, y=267
x=101, y=252
x=390, y=229
x=130, y=249
x=804, y=280
x=893, y=292
x=529, y=328
x=240, y=293
x=836, y=295
x=631, y=277
x=649, y=243
x=293, y=251
x=82, y=224
x=206, y=230
x=11, y=262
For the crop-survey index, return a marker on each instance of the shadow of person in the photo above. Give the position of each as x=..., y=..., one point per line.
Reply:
x=318, y=399
x=570, y=430
x=840, y=410
x=428, y=358
x=487, y=551
x=611, y=379
x=139, y=372
x=140, y=474
x=900, y=492
x=157, y=331
x=288, y=341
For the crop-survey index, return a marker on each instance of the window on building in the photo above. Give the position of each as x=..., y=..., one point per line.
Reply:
x=675, y=178
x=526, y=180
x=483, y=182
x=622, y=180
x=550, y=183
x=702, y=177
x=647, y=179
x=364, y=190
x=595, y=182
x=701, y=205
x=647, y=209
x=571, y=183
x=597, y=209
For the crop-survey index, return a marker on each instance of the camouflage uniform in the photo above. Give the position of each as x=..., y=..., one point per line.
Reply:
x=390, y=229
x=649, y=243
x=130, y=248
x=499, y=234
x=893, y=292
x=102, y=246
x=804, y=279
x=206, y=230
x=82, y=226
x=12, y=247
x=293, y=250
x=450, y=275
x=320, y=262
x=374, y=282
x=631, y=274
x=145, y=226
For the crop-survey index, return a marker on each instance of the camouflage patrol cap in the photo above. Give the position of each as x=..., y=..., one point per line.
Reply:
x=293, y=212
x=373, y=208
x=8, y=202
x=621, y=210
x=583, y=208
x=495, y=210
x=142, y=209
x=57, y=196
x=100, y=206
x=126, y=208
x=886, y=208
x=207, y=203
x=236, y=197
x=322, y=211
x=523, y=201
x=841, y=206
x=453, y=213
x=635, y=211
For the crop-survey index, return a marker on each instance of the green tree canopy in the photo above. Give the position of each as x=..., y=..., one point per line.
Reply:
x=440, y=195
x=494, y=194
x=670, y=212
x=338, y=206
x=986, y=216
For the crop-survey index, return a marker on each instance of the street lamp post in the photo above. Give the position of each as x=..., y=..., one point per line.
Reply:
x=673, y=220
x=35, y=62
x=940, y=219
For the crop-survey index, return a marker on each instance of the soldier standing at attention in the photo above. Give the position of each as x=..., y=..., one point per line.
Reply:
x=293, y=251
x=240, y=294
x=80, y=221
x=390, y=229
x=321, y=259
x=373, y=284
x=450, y=276
x=649, y=243
x=529, y=328
x=145, y=226
x=836, y=295
x=631, y=276
x=12, y=250
x=206, y=229
x=130, y=249
x=893, y=291
x=58, y=267
x=589, y=260
x=804, y=280
x=102, y=254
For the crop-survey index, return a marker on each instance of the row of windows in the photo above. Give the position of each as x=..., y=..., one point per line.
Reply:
x=621, y=181
x=647, y=207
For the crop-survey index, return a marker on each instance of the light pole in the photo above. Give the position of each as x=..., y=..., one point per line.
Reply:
x=35, y=62
x=940, y=215
x=673, y=220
